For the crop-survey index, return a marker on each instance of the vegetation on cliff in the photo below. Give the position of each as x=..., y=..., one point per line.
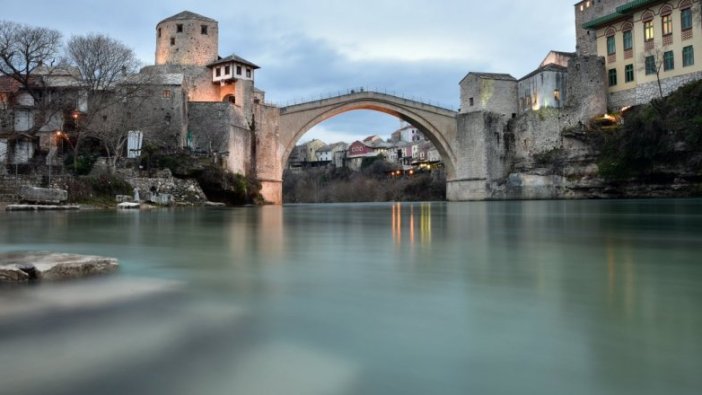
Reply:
x=657, y=142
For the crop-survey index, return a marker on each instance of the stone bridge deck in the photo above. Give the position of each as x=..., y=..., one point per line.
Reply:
x=360, y=94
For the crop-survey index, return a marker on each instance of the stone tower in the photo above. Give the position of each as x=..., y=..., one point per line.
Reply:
x=187, y=39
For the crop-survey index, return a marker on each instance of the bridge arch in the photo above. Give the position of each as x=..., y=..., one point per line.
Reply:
x=436, y=123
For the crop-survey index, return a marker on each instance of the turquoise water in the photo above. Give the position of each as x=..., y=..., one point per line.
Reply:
x=548, y=297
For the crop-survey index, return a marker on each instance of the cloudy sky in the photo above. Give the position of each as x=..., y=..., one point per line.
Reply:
x=308, y=48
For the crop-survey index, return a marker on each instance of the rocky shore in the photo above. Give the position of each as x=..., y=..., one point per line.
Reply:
x=22, y=267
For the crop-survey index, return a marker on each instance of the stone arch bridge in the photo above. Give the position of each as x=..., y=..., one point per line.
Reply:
x=459, y=138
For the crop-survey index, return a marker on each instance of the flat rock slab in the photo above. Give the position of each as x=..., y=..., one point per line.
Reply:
x=19, y=267
x=41, y=207
x=128, y=206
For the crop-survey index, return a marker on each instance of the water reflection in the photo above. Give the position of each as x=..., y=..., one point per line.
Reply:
x=423, y=218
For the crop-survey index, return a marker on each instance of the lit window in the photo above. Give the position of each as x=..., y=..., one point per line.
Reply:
x=218, y=71
x=650, y=65
x=629, y=73
x=686, y=19
x=179, y=28
x=688, y=56
x=203, y=29
x=238, y=70
x=628, y=40
x=611, y=45
x=612, y=77
x=668, y=60
x=667, y=22
x=648, y=30
x=167, y=93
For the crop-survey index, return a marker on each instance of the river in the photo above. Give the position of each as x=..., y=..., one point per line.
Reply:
x=535, y=297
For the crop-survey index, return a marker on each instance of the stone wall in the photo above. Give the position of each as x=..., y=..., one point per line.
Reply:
x=587, y=87
x=221, y=128
x=268, y=153
x=10, y=185
x=492, y=94
x=643, y=93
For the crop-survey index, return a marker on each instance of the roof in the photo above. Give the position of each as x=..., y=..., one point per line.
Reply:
x=633, y=5
x=490, y=76
x=548, y=67
x=622, y=11
x=186, y=15
x=233, y=58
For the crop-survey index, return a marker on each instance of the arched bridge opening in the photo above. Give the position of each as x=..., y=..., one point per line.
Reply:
x=436, y=123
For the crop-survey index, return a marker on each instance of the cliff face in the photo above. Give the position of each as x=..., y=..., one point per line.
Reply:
x=653, y=150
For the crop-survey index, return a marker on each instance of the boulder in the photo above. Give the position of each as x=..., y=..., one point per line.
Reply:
x=43, y=195
x=46, y=266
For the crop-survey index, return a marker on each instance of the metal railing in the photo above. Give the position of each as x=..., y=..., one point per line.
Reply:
x=352, y=91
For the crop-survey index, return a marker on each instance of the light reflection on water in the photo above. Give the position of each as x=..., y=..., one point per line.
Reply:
x=591, y=297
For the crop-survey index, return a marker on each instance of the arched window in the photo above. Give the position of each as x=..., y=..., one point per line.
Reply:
x=611, y=42
x=647, y=19
x=686, y=17
x=627, y=36
x=667, y=20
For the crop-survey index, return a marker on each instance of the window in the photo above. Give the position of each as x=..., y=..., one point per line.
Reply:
x=668, y=60
x=611, y=45
x=248, y=72
x=667, y=22
x=238, y=70
x=628, y=40
x=203, y=29
x=218, y=71
x=648, y=30
x=686, y=19
x=179, y=28
x=612, y=77
x=159, y=32
x=470, y=102
x=172, y=41
x=688, y=56
x=650, y=65
x=166, y=94
x=227, y=70
x=629, y=73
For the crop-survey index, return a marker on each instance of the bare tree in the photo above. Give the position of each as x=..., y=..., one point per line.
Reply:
x=653, y=60
x=28, y=56
x=24, y=49
x=108, y=70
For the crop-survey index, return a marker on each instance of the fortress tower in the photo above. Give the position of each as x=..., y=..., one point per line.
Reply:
x=187, y=39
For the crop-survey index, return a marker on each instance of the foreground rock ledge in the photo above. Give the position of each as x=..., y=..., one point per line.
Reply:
x=20, y=267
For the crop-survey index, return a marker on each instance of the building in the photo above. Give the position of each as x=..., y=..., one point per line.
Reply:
x=332, y=154
x=29, y=122
x=489, y=92
x=650, y=47
x=546, y=86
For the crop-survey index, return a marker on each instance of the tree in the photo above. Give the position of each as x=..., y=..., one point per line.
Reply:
x=653, y=61
x=108, y=71
x=24, y=49
x=27, y=57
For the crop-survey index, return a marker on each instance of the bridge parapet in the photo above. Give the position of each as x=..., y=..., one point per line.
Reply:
x=361, y=93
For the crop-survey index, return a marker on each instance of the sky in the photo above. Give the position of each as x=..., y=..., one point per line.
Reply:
x=311, y=48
